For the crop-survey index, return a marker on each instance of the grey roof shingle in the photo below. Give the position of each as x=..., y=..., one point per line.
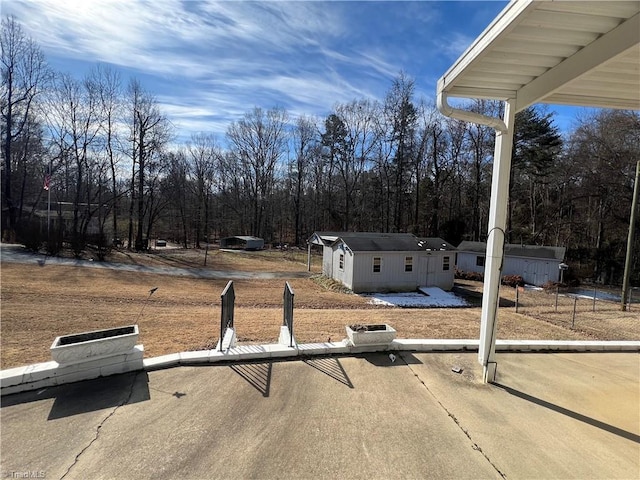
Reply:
x=391, y=242
x=517, y=250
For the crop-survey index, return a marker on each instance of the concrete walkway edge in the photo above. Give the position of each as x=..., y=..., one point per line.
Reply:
x=47, y=374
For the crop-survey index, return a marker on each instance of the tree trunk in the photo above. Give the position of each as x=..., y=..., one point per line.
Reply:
x=141, y=160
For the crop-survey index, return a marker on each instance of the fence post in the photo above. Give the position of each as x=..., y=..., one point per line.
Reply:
x=557, y=292
x=573, y=318
x=517, y=297
x=227, y=299
x=288, y=310
x=595, y=293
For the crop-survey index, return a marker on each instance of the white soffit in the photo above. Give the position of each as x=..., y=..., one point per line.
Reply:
x=584, y=53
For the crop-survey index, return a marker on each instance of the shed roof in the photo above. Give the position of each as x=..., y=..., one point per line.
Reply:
x=517, y=250
x=327, y=238
x=245, y=238
x=392, y=242
x=583, y=53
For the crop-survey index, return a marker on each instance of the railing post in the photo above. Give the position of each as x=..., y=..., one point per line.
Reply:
x=288, y=310
x=227, y=300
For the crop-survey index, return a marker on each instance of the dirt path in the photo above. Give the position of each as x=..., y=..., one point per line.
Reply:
x=12, y=253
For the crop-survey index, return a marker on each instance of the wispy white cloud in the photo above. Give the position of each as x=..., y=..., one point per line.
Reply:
x=208, y=62
x=454, y=44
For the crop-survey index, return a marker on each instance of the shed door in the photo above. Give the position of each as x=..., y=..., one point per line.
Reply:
x=428, y=271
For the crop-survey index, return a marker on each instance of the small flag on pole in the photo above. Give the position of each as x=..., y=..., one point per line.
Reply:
x=47, y=179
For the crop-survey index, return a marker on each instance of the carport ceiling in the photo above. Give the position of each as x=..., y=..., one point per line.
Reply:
x=584, y=53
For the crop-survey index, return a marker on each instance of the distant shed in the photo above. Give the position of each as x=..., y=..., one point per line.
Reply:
x=242, y=242
x=535, y=263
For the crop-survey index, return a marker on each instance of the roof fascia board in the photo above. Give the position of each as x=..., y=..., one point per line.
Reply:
x=486, y=93
x=595, y=102
x=608, y=46
x=505, y=22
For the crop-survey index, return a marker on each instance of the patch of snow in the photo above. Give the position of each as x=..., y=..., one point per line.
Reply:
x=600, y=295
x=430, y=297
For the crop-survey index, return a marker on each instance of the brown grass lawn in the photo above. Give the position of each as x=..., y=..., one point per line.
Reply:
x=40, y=303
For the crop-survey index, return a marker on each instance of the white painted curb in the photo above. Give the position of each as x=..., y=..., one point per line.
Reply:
x=41, y=375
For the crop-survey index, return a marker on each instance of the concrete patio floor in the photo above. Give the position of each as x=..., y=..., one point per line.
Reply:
x=551, y=415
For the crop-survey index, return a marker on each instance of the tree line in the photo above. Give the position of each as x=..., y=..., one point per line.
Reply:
x=114, y=169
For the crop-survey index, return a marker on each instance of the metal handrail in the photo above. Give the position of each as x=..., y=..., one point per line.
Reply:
x=227, y=298
x=288, y=310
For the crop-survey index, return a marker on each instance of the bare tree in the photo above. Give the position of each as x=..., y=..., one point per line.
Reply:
x=175, y=185
x=204, y=154
x=72, y=119
x=455, y=133
x=435, y=161
x=108, y=89
x=258, y=142
x=603, y=150
x=305, y=143
x=358, y=118
x=24, y=74
x=481, y=138
x=149, y=132
x=235, y=211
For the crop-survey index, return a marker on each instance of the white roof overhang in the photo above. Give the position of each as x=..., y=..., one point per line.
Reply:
x=582, y=53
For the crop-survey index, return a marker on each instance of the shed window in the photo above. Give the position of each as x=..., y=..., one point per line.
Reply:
x=377, y=262
x=445, y=263
x=408, y=264
x=341, y=265
x=479, y=261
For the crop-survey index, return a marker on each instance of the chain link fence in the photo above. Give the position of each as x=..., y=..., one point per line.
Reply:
x=593, y=310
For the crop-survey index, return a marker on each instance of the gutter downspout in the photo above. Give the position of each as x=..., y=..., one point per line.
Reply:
x=497, y=222
x=447, y=110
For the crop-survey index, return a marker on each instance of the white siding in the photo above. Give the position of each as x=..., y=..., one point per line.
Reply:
x=344, y=274
x=348, y=269
x=327, y=261
x=534, y=271
x=392, y=275
x=467, y=262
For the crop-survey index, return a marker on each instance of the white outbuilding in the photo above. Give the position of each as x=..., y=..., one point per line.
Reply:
x=536, y=264
x=242, y=242
x=386, y=262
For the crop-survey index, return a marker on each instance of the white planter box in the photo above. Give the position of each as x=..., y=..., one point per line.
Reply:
x=85, y=346
x=371, y=334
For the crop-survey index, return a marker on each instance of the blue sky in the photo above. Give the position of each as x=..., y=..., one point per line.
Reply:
x=209, y=62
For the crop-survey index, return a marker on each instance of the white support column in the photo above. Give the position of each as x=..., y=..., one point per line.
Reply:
x=495, y=243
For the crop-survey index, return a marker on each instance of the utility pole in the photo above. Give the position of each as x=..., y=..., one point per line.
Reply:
x=632, y=226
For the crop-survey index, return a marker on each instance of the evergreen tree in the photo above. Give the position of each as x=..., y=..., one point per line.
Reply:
x=536, y=147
